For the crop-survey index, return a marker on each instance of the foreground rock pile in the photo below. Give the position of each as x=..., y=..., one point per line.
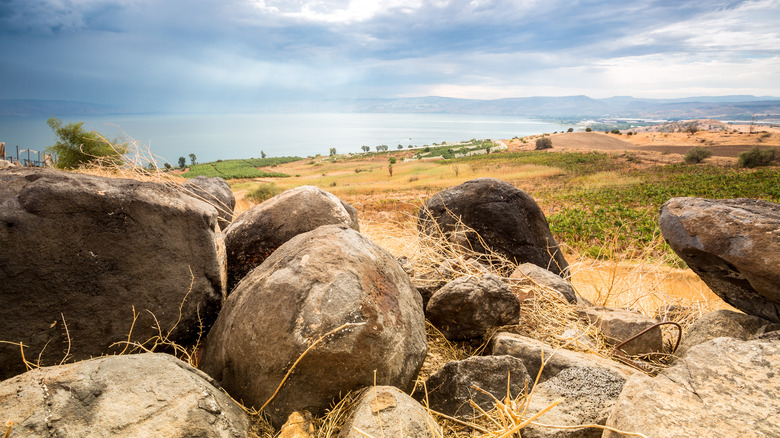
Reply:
x=296, y=309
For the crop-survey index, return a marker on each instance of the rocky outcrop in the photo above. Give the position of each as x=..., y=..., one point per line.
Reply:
x=80, y=255
x=470, y=306
x=387, y=411
x=588, y=393
x=733, y=245
x=532, y=352
x=216, y=192
x=723, y=387
x=506, y=218
x=120, y=396
x=256, y=233
x=310, y=286
x=619, y=325
x=451, y=388
x=531, y=275
x=718, y=324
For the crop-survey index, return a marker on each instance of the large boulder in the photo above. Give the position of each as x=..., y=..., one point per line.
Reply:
x=388, y=411
x=504, y=217
x=588, y=393
x=135, y=395
x=719, y=324
x=468, y=307
x=733, y=245
x=451, y=388
x=313, y=284
x=256, y=233
x=723, y=387
x=82, y=256
x=215, y=191
x=533, y=353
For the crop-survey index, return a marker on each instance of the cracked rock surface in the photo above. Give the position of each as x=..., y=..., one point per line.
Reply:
x=723, y=387
x=137, y=395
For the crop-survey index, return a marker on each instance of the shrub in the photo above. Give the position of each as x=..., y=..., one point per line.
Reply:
x=615, y=131
x=570, y=130
x=76, y=147
x=588, y=129
x=697, y=155
x=262, y=192
x=756, y=157
x=543, y=143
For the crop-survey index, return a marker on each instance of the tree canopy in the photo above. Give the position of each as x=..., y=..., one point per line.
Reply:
x=76, y=147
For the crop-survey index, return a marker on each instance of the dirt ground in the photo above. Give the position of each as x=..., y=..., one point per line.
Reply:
x=722, y=143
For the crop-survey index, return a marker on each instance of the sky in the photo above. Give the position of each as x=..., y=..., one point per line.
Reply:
x=223, y=55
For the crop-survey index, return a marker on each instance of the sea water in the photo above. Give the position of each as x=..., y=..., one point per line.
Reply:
x=213, y=137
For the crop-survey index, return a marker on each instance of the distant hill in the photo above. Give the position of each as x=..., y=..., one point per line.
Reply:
x=35, y=107
x=568, y=106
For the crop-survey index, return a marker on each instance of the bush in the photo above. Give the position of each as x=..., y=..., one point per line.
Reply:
x=570, y=130
x=756, y=157
x=76, y=147
x=697, y=155
x=615, y=131
x=588, y=129
x=543, y=143
x=262, y=192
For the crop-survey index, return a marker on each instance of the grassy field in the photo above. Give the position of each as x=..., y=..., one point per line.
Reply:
x=233, y=169
x=601, y=206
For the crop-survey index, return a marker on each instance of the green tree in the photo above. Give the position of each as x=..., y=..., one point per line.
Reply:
x=262, y=154
x=167, y=166
x=182, y=162
x=391, y=160
x=588, y=129
x=76, y=147
x=193, y=159
x=332, y=151
x=400, y=146
x=365, y=148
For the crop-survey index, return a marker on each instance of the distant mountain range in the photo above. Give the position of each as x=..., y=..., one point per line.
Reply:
x=716, y=107
x=569, y=106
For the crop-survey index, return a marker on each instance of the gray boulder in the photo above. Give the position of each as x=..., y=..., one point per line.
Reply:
x=451, y=388
x=386, y=411
x=311, y=285
x=531, y=275
x=470, y=306
x=532, y=351
x=733, y=245
x=718, y=324
x=81, y=254
x=588, y=393
x=120, y=396
x=216, y=192
x=256, y=233
x=723, y=387
x=508, y=220
x=618, y=325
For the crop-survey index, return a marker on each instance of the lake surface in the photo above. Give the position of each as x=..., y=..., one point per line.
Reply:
x=213, y=137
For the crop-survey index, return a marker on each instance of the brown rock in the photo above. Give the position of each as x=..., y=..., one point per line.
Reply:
x=313, y=284
x=258, y=232
x=89, y=252
x=733, y=245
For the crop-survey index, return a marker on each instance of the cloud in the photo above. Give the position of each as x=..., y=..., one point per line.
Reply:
x=178, y=54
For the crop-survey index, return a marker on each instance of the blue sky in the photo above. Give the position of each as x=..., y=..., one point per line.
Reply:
x=223, y=55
